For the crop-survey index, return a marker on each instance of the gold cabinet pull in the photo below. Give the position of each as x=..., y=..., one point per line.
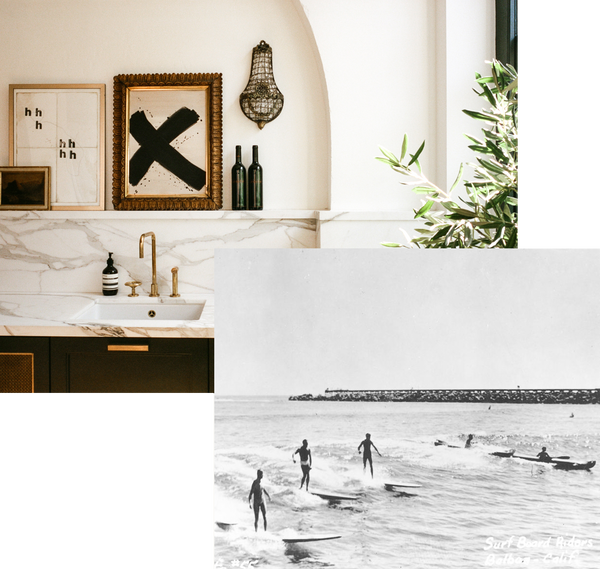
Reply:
x=125, y=348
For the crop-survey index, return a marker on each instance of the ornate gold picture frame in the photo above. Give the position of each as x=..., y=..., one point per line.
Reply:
x=168, y=141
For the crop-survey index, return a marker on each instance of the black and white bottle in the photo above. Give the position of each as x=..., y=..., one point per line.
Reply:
x=110, y=278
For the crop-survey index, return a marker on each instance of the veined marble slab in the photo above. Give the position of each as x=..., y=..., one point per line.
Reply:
x=58, y=252
x=54, y=315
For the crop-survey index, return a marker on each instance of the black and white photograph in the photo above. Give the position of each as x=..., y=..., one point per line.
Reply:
x=400, y=409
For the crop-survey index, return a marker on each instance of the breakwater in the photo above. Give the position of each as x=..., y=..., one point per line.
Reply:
x=550, y=396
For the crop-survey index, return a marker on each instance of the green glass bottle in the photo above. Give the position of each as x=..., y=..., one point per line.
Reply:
x=255, y=182
x=239, y=190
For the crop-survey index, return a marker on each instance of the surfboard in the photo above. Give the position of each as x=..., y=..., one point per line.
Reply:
x=225, y=525
x=398, y=485
x=333, y=497
x=306, y=538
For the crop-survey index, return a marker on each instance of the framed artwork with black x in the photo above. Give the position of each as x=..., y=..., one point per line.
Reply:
x=167, y=137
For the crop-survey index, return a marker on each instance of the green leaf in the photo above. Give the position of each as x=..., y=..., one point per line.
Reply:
x=404, y=147
x=489, y=225
x=499, y=237
x=481, y=116
x=424, y=190
x=513, y=86
x=389, y=155
x=488, y=94
x=449, y=236
x=450, y=205
x=511, y=243
x=481, y=80
x=462, y=214
x=415, y=157
x=458, y=178
x=428, y=205
x=391, y=244
x=490, y=166
x=475, y=140
x=495, y=150
x=441, y=232
x=469, y=234
x=480, y=149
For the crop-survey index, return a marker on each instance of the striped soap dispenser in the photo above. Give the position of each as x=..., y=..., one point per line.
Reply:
x=110, y=278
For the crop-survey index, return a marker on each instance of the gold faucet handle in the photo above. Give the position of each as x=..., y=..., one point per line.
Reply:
x=133, y=285
x=174, y=272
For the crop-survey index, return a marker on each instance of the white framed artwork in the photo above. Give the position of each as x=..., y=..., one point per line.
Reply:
x=61, y=126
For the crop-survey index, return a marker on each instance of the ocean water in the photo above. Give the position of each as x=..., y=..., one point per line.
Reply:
x=473, y=509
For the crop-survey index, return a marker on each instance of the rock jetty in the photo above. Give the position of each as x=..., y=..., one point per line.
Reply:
x=551, y=396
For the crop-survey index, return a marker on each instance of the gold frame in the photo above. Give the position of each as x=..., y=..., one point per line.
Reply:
x=101, y=88
x=27, y=169
x=123, y=87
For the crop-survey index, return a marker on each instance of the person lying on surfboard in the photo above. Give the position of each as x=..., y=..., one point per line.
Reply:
x=544, y=456
x=367, y=444
x=305, y=462
x=259, y=501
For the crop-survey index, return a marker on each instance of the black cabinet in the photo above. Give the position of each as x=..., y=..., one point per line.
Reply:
x=116, y=365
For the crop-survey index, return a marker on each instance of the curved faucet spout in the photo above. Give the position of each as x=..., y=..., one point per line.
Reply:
x=154, y=285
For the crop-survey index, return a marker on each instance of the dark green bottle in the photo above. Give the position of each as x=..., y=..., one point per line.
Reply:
x=255, y=182
x=239, y=191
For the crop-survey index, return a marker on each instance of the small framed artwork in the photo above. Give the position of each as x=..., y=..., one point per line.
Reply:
x=24, y=187
x=61, y=126
x=168, y=142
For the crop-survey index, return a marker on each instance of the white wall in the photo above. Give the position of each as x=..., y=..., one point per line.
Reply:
x=395, y=67
x=91, y=41
x=465, y=41
x=378, y=59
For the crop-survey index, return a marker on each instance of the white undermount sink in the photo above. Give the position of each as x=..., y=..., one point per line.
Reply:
x=147, y=310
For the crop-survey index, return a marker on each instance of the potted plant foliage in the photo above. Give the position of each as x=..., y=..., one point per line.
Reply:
x=487, y=217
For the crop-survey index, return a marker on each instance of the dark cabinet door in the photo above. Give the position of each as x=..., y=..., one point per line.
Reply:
x=124, y=365
x=24, y=364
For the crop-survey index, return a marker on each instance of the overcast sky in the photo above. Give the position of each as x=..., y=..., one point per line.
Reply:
x=301, y=321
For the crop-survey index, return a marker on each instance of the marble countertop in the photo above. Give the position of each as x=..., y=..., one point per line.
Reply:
x=47, y=314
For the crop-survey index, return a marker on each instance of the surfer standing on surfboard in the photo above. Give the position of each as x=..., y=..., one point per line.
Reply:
x=305, y=462
x=259, y=501
x=367, y=444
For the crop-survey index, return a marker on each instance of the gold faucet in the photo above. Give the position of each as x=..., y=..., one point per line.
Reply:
x=174, y=272
x=154, y=285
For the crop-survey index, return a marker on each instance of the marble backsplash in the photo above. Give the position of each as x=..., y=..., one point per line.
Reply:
x=65, y=252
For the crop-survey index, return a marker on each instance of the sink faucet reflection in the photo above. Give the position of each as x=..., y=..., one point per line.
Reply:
x=154, y=286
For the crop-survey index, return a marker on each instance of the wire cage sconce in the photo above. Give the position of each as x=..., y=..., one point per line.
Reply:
x=261, y=100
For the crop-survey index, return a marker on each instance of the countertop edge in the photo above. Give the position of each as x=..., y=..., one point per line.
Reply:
x=14, y=323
